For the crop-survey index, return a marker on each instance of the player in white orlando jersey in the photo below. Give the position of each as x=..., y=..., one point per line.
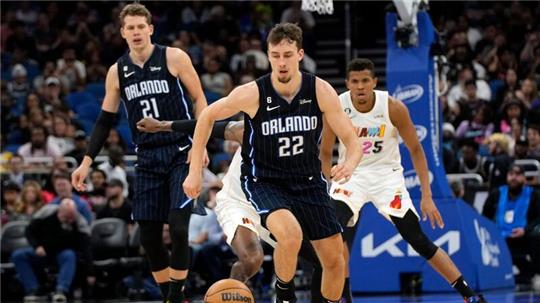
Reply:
x=378, y=120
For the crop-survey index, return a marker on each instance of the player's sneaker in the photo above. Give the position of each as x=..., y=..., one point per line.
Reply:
x=476, y=299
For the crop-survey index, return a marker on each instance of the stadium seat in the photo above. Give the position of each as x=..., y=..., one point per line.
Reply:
x=109, y=240
x=88, y=111
x=125, y=132
x=76, y=99
x=97, y=89
x=13, y=237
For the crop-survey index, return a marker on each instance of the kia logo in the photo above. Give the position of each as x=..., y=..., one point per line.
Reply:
x=409, y=94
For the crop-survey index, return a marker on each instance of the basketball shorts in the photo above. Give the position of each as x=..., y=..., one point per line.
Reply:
x=232, y=213
x=159, y=174
x=308, y=200
x=385, y=188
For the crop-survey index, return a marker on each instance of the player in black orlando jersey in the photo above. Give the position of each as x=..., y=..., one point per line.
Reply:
x=153, y=81
x=281, y=172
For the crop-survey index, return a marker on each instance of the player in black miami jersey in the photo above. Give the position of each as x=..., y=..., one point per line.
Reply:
x=153, y=81
x=281, y=173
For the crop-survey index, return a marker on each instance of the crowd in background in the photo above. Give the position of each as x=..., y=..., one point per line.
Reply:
x=54, y=58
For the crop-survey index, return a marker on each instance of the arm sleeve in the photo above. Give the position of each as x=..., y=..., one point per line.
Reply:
x=188, y=127
x=100, y=133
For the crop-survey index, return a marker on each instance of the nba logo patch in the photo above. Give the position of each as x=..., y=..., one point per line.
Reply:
x=396, y=203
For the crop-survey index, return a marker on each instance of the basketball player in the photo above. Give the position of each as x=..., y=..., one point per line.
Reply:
x=281, y=174
x=378, y=120
x=152, y=81
x=237, y=217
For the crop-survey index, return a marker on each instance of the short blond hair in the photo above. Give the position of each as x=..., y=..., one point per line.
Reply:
x=502, y=141
x=135, y=9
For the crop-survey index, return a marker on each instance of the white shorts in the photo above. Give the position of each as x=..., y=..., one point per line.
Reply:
x=232, y=213
x=385, y=188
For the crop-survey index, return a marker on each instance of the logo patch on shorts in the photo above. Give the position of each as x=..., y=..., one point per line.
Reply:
x=396, y=203
x=342, y=191
x=247, y=221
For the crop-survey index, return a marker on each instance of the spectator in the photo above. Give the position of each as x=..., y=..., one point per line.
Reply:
x=114, y=168
x=520, y=149
x=471, y=162
x=57, y=233
x=15, y=170
x=64, y=190
x=255, y=51
x=30, y=201
x=468, y=106
x=499, y=148
x=515, y=209
x=71, y=70
x=113, y=139
x=459, y=90
x=294, y=14
x=19, y=86
x=238, y=60
x=508, y=89
x=39, y=145
x=53, y=95
x=215, y=80
x=533, y=135
x=528, y=93
x=97, y=188
x=512, y=109
x=61, y=136
x=479, y=127
x=458, y=189
x=10, y=196
x=117, y=205
x=80, y=145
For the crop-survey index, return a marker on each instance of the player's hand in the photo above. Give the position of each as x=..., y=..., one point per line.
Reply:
x=149, y=125
x=40, y=251
x=78, y=176
x=430, y=210
x=341, y=173
x=517, y=232
x=192, y=185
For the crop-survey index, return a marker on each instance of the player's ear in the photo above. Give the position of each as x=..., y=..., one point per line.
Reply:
x=375, y=79
x=301, y=54
x=122, y=32
x=151, y=26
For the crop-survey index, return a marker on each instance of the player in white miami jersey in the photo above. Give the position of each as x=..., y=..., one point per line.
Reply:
x=379, y=119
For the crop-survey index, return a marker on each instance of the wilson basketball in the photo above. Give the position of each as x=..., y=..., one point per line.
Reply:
x=228, y=290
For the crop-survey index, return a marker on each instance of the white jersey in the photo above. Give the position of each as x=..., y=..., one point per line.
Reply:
x=232, y=188
x=380, y=143
x=232, y=207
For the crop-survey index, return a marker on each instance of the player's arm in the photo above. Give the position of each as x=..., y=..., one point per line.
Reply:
x=240, y=99
x=327, y=148
x=401, y=119
x=181, y=66
x=101, y=130
x=342, y=126
x=228, y=130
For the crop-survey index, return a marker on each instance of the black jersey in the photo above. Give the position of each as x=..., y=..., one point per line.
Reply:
x=282, y=139
x=151, y=91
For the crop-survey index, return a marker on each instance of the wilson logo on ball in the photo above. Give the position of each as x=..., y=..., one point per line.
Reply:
x=235, y=297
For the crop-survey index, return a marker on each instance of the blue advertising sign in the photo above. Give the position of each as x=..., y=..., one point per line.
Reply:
x=380, y=255
x=411, y=78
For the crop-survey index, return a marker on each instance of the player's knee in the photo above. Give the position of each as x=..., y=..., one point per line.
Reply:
x=178, y=231
x=252, y=261
x=333, y=262
x=291, y=243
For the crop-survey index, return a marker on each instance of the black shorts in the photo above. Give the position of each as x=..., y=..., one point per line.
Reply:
x=159, y=174
x=307, y=199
